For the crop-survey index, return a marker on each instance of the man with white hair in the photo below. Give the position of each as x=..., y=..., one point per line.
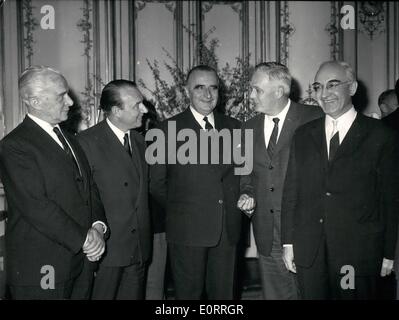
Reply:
x=55, y=221
x=273, y=130
x=341, y=195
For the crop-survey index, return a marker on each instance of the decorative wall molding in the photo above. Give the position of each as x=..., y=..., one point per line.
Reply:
x=30, y=23
x=286, y=31
x=2, y=72
x=372, y=17
x=333, y=28
x=85, y=25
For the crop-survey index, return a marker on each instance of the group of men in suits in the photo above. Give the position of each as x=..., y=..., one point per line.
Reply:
x=322, y=195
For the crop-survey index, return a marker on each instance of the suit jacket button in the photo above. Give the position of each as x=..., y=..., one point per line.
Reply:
x=271, y=167
x=220, y=201
x=271, y=189
x=133, y=230
x=271, y=210
x=321, y=220
x=328, y=194
x=126, y=184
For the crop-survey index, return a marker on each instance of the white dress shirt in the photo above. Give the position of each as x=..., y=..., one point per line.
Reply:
x=269, y=123
x=48, y=128
x=119, y=133
x=344, y=122
x=200, y=118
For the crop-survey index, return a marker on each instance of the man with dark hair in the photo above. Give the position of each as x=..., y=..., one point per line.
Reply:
x=392, y=120
x=273, y=130
x=56, y=221
x=116, y=157
x=202, y=221
x=341, y=195
x=387, y=102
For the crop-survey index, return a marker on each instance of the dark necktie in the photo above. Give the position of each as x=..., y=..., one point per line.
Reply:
x=67, y=149
x=208, y=125
x=126, y=144
x=273, y=138
x=334, y=142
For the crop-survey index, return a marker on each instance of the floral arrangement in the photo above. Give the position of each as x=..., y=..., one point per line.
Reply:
x=169, y=98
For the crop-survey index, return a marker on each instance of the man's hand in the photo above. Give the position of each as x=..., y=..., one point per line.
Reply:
x=246, y=204
x=387, y=266
x=288, y=258
x=94, y=246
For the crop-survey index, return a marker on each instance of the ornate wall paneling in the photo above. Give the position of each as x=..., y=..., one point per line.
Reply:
x=13, y=57
x=263, y=26
x=228, y=21
x=2, y=71
x=373, y=44
x=305, y=41
x=393, y=43
x=158, y=27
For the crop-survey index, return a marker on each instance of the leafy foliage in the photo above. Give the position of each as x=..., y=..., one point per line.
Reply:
x=170, y=98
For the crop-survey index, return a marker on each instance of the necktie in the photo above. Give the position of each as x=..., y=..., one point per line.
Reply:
x=273, y=138
x=126, y=144
x=208, y=125
x=67, y=149
x=334, y=141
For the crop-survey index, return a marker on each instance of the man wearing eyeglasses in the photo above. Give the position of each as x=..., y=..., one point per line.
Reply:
x=341, y=200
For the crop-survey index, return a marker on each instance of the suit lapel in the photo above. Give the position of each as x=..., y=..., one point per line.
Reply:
x=319, y=139
x=353, y=138
x=290, y=124
x=115, y=147
x=259, y=143
x=136, y=155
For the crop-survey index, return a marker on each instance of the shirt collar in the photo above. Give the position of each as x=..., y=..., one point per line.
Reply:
x=118, y=132
x=344, y=120
x=282, y=115
x=42, y=123
x=200, y=118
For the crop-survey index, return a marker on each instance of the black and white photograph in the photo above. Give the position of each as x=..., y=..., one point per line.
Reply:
x=199, y=155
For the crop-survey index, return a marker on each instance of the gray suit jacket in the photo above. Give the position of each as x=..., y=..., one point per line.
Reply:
x=268, y=175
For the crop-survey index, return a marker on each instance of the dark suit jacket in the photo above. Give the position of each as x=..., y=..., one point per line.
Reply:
x=353, y=201
x=195, y=195
x=48, y=213
x=267, y=178
x=123, y=185
x=392, y=120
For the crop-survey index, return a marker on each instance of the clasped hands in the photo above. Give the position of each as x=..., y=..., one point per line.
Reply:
x=94, y=245
x=246, y=204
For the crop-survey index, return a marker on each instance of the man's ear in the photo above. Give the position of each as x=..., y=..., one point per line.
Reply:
x=353, y=88
x=279, y=92
x=115, y=110
x=32, y=102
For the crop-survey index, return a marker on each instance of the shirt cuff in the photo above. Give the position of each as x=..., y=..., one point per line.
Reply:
x=287, y=245
x=102, y=224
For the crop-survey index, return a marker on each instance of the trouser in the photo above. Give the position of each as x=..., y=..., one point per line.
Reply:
x=156, y=269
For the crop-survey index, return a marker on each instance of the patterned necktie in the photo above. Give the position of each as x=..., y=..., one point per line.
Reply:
x=334, y=141
x=67, y=149
x=126, y=144
x=273, y=138
x=208, y=125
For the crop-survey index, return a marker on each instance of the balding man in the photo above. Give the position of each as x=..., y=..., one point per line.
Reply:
x=202, y=221
x=341, y=195
x=55, y=218
x=273, y=131
x=116, y=156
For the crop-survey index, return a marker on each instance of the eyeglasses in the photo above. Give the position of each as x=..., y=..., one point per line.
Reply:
x=330, y=85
